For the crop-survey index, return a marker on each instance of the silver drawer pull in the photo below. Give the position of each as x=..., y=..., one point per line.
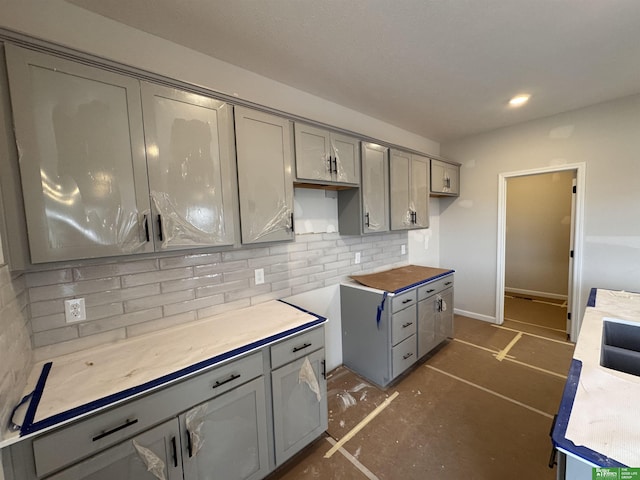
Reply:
x=302, y=347
x=407, y=324
x=404, y=357
x=407, y=300
x=105, y=433
x=230, y=379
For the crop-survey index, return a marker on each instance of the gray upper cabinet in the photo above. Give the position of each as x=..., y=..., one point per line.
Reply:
x=264, y=157
x=409, y=187
x=326, y=157
x=81, y=156
x=445, y=178
x=367, y=210
x=190, y=157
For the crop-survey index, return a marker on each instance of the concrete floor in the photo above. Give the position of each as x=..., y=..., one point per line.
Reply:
x=462, y=413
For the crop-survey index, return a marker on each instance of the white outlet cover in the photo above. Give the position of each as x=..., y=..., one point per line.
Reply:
x=403, y=250
x=74, y=310
x=259, y=274
x=357, y=259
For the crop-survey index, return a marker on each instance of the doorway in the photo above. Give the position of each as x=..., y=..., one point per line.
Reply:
x=526, y=277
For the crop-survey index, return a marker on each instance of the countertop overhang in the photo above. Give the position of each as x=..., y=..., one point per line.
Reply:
x=104, y=376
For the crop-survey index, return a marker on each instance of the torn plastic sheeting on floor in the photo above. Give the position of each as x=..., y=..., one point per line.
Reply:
x=154, y=463
x=308, y=376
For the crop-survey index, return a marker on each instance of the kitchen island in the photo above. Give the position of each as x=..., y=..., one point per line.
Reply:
x=598, y=424
x=393, y=318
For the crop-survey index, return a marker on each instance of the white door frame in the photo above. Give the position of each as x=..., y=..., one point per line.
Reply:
x=578, y=222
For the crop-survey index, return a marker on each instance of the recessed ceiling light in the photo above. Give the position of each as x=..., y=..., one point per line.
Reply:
x=519, y=100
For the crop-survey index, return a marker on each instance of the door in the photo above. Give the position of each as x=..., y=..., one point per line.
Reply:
x=427, y=312
x=151, y=455
x=226, y=437
x=420, y=191
x=345, y=153
x=189, y=142
x=399, y=173
x=80, y=137
x=375, y=188
x=264, y=176
x=299, y=412
x=313, y=160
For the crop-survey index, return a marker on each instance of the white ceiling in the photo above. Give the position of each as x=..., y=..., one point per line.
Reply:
x=443, y=69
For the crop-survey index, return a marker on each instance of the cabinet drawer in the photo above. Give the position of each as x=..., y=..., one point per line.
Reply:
x=403, y=324
x=403, y=300
x=102, y=430
x=437, y=286
x=296, y=347
x=403, y=355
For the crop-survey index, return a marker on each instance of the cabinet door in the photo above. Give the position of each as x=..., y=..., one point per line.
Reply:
x=227, y=436
x=445, y=178
x=346, y=158
x=312, y=153
x=264, y=176
x=400, y=166
x=420, y=191
x=151, y=455
x=189, y=140
x=444, y=322
x=427, y=313
x=375, y=188
x=80, y=137
x=299, y=417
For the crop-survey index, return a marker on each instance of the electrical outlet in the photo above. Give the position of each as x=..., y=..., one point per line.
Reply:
x=74, y=310
x=259, y=274
x=403, y=250
x=357, y=258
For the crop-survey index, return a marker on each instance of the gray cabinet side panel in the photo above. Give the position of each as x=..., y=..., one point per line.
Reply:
x=365, y=344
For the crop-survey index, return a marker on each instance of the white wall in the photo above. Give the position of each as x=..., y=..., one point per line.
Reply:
x=74, y=27
x=607, y=138
x=424, y=245
x=538, y=234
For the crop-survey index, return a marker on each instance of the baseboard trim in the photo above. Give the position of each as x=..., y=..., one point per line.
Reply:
x=476, y=316
x=533, y=293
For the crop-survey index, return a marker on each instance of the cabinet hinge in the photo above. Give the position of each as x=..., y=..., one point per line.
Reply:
x=568, y=315
x=571, y=253
x=575, y=189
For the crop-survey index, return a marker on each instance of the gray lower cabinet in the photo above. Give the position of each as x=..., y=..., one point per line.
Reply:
x=435, y=314
x=236, y=421
x=264, y=156
x=445, y=178
x=148, y=456
x=226, y=437
x=299, y=404
x=383, y=335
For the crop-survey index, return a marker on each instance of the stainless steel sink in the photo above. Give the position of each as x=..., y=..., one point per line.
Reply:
x=620, y=347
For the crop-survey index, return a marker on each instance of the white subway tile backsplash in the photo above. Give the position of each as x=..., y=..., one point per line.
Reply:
x=114, y=269
x=133, y=297
x=157, y=276
x=73, y=289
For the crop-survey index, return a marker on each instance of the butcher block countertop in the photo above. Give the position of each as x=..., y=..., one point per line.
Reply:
x=75, y=383
x=398, y=279
x=599, y=419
